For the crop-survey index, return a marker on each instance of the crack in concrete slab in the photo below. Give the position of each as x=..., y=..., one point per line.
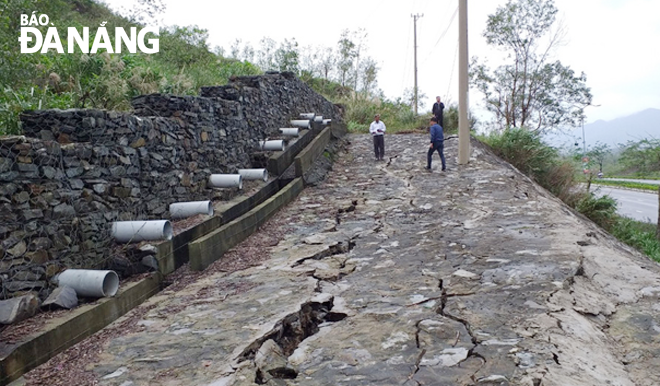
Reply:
x=416, y=367
x=285, y=337
x=332, y=250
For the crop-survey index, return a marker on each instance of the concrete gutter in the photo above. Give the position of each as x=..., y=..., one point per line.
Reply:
x=173, y=254
x=205, y=250
x=278, y=163
x=305, y=160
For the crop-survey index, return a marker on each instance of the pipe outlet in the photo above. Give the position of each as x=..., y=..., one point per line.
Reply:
x=302, y=123
x=254, y=174
x=226, y=181
x=90, y=282
x=290, y=132
x=273, y=145
x=136, y=231
x=307, y=115
x=192, y=208
x=327, y=121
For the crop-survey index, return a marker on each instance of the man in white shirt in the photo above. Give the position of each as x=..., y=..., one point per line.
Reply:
x=377, y=130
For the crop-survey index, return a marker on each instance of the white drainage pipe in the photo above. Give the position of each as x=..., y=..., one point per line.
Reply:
x=254, y=174
x=187, y=209
x=226, y=181
x=290, y=131
x=327, y=121
x=136, y=231
x=303, y=123
x=274, y=145
x=318, y=118
x=307, y=115
x=90, y=282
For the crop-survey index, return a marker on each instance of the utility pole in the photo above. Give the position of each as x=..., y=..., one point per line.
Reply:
x=463, y=101
x=415, y=17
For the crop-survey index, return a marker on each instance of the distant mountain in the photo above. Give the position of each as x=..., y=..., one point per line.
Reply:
x=644, y=124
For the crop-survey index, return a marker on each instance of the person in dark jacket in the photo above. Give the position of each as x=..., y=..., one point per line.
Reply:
x=437, y=144
x=438, y=109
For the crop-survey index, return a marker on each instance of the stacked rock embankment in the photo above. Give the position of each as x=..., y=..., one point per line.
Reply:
x=74, y=172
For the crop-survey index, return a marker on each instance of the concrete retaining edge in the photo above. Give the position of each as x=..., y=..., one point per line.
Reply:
x=62, y=333
x=305, y=160
x=204, y=251
x=278, y=163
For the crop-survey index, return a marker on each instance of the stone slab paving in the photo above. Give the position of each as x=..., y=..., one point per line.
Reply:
x=393, y=275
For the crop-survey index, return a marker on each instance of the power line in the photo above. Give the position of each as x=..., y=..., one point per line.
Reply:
x=415, y=17
x=453, y=66
x=449, y=24
x=405, y=65
x=451, y=20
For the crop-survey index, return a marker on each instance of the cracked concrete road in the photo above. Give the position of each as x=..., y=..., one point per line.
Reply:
x=392, y=275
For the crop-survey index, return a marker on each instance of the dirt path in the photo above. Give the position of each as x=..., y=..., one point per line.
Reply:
x=391, y=275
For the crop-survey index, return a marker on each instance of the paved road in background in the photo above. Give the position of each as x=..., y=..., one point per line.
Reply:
x=641, y=206
x=650, y=182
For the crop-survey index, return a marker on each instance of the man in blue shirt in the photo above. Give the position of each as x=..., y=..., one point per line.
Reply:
x=437, y=143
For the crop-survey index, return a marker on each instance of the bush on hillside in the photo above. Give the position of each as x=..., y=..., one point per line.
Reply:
x=526, y=151
x=601, y=210
x=102, y=80
x=639, y=235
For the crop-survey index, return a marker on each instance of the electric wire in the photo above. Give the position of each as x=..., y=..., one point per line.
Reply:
x=405, y=65
x=453, y=67
x=444, y=33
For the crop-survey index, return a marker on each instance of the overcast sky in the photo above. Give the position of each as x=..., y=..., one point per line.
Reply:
x=610, y=40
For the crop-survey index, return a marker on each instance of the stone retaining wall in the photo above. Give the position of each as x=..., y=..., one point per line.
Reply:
x=269, y=102
x=75, y=171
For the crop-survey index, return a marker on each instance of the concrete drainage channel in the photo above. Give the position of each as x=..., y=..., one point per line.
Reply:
x=199, y=246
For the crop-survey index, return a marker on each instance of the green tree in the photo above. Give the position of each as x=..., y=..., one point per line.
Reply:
x=369, y=74
x=347, y=54
x=266, y=54
x=185, y=46
x=532, y=91
x=642, y=157
x=409, y=96
x=286, y=56
x=328, y=60
x=144, y=12
x=598, y=153
x=360, y=36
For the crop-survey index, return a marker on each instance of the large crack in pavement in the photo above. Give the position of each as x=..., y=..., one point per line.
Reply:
x=270, y=351
x=392, y=275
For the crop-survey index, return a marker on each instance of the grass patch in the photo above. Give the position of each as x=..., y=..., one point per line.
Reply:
x=526, y=151
x=601, y=210
x=637, y=234
x=627, y=184
x=635, y=177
